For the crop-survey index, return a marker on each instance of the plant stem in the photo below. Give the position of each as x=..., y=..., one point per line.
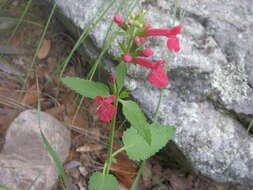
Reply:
x=118, y=151
x=158, y=105
x=138, y=175
x=112, y=132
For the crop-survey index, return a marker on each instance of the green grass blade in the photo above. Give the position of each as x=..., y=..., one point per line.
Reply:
x=51, y=151
x=84, y=35
x=41, y=41
x=4, y=187
x=21, y=19
x=57, y=162
x=24, y=21
x=33, y=182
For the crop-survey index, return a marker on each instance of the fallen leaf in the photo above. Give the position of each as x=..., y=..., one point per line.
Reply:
x=44, y=49
x=89, y=148
x=122, y=187
x=124, y=169
x=31, y=95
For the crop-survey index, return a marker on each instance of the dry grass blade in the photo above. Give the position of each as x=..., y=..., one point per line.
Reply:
x=89, y=148
x=10, y=102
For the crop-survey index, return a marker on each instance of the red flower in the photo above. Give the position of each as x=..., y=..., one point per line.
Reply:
x=118, y=20
x=147, y=25
x=112, y=78
x=144, y=62
x=146, y=52
x=130, y=22
x=157, y=76
x=171, y=33
x=127, y=58
x=139, y=40
x=105, y=109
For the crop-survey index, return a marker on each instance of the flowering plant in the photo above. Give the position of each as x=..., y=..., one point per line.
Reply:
x=142, y=139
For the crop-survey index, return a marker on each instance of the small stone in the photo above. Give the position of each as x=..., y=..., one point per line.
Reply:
x=24, y=156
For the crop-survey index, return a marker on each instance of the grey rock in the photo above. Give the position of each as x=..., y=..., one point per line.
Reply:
x=210, y=79
x=24, y=156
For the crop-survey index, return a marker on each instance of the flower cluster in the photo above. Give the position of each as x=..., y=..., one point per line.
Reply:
x=105, y=109
x=138, y=54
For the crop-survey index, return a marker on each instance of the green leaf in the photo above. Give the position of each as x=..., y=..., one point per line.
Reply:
x=124, y=94
x=121, y=71
x=86, y=88
x=4, y=187
x=137, y=148
x=55, y=158
x=121, y=33
x=122, y=47
x=98, y=181
x=135, y=116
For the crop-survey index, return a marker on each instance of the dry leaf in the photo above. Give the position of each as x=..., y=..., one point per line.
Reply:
x=122, y=187
x=89, y=148
x=124, y=169
x=44, y=49
x=31, y=96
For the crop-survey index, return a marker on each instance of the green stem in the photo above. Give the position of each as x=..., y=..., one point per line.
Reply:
x=112, y=133
x=84, y=35
x=138, y=175
x=158, y=105
x=175, y=12
x=40, y=44
x=118, y=151
x=20, y=20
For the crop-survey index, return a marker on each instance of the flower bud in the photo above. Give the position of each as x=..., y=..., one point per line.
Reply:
x=146, y=52
x=127, y=58
x=130, y=22
x=118, y=20
x=147, y=25
x=112, y=78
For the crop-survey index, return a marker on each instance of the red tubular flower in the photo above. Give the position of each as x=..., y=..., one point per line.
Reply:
x=158, y=76
x=130, y=22
x=118, y=20
x=147, y=25
x=144, y=62
x=139, y=40
x=127, y=58
x=146, y=52
x=105, y=109
x=171, y=33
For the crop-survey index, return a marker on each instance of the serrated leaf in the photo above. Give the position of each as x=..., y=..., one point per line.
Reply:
x=86, y=88
x=135, y=116
x=121, y=71
x=137, y=148
x=98, y=181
